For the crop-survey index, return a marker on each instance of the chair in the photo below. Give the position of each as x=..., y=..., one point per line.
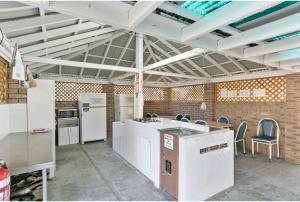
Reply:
x=201, y=122
x=267, y=133
x=148, y=115
x=223, y=119
x=187, y=116
x=240, y=135
x=153, y=115
x=178, y=117
x=185, y=120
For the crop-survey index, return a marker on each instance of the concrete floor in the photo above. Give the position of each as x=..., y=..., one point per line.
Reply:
x=95, y=172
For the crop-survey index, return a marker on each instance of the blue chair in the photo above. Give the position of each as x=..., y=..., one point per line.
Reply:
x=148, y=115
x=240, y=135
x=153, y=115
x=223, y=119
x=178, y=117
x=201, y=122
x=185, y=120
x=187, y=116
x=267, y=133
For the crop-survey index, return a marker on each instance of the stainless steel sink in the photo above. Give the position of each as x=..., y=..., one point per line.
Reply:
x=180, y=131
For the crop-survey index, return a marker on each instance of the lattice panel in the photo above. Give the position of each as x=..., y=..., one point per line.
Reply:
x=187, y=93
x=154, y=94
x=274, y=87
x=3, y=80
x=124, y=89
x=69, y=91
x=150, y=93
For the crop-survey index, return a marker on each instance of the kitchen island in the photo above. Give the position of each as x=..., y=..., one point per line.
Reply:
x=205, y=158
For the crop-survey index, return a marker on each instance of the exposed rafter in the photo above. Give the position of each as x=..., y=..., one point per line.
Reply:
x=234, y=11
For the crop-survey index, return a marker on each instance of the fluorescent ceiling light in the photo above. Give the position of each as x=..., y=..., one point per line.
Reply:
x=185, y=55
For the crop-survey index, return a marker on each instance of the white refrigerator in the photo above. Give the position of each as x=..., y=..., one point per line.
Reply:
x=92, y=111
x=124, y=107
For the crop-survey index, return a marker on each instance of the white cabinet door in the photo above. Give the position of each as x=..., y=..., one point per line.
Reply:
x=63, y=136
x=74, y=135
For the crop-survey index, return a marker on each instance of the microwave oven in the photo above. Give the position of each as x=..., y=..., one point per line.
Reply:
x=67, y=113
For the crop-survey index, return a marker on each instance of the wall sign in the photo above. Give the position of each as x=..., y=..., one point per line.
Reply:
x=168, y=141
x=244, y=93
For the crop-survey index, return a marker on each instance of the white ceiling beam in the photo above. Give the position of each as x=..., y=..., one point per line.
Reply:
x=233, y=11
x=69, y=45
x=279, y=27
x=122, y=53
x=56, y=42
x=53, y=33
x=155, y=57
x=211, y=60
x=15, y=9
x=174, y=75
x=254, y=75
x=90, y=47
x=238, y=64
x=77, y=64
x=182, y=56
x=272, y=47
x=21, y=24
x=84, y=60
x=191, y=62
x=59, y=54
x=290, y=63
x=283, y=55
x=140, y=11
x=169, y=55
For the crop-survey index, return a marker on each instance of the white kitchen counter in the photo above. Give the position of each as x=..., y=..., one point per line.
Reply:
x=201, y=176
x=25, y=152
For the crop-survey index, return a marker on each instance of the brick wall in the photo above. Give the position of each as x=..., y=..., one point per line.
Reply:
x=193, y=108
x=158, y=107
x=14, y=93
x=292, y=117
x=252, y=113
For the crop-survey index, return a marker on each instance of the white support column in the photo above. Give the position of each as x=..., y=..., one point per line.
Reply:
x=138, y=79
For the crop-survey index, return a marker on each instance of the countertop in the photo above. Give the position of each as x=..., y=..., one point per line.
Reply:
x=26, y=152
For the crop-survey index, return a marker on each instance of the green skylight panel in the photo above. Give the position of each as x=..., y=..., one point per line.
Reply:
x=263, y=13
x=203, y=8
x=284, y=36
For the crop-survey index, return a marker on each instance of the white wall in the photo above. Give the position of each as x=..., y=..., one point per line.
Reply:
x=17, y=118
x=4, y=120
x=13, y=119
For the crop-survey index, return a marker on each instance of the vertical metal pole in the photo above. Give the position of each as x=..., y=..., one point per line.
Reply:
x=44, y=178
x=138, y=80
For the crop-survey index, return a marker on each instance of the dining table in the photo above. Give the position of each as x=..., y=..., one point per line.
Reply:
x=209, y=122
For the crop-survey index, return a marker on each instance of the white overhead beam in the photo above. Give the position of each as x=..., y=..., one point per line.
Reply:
x=279, y=27
x=191, y=62
x=283, y=55
x=273, y=47
x=15, y=9
x=238, y=64
x=211, y=60
x=69, y=45
x=140, y=11
x=77, y=64
x=59, y=54
x=174, y=75
x=21, y=24
x=228, y=14
x=91, y=46
x=53, y=33
x=290, y=63
x=168, y=55
x=56, y=42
